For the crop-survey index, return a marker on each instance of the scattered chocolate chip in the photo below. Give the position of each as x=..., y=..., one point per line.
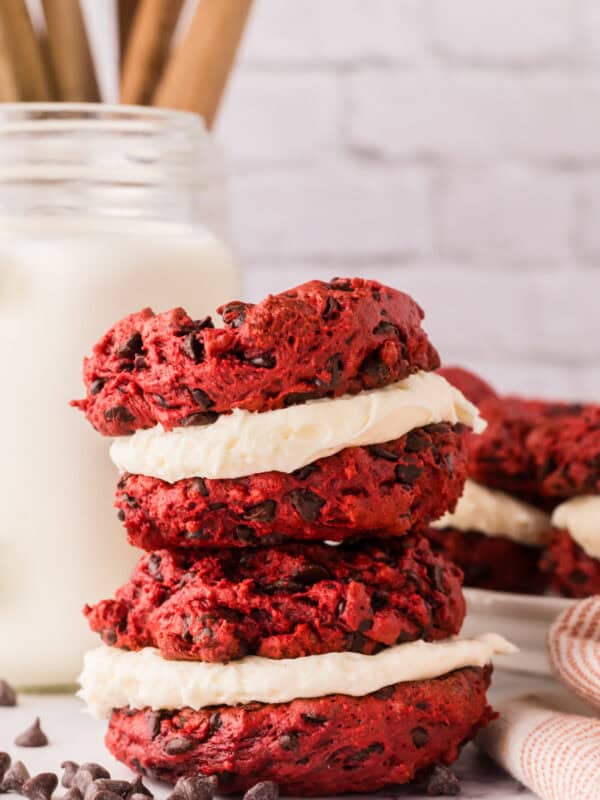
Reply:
x=139, y=363
x=303, y=473
x=34, y=736
x=132, y=346
x=138, y=789
x=4, y=765
x=408, y=473
x=8, y=696
x=365, y=625
x=442, y=782
x=416, y=442
x=40, y=787
x=577, y=577
x=297, y=398
x=438, y=427
x=378, y=451
x=201, y=788
x=72, y=794
x=182, y=744
x=419, y=736
x=121, y=515
x=289, y=741
x=153, y=724
x=332, y=309
x=154, y=562
x=137, y=796
x=201, y=418
x=385, y=692
x=192, y=348
x=266, y=361
x=356, y=643
x=215, y=723
x=244, y=533
x=131, y=501
x=340, y=284
x=118, y=414
x=312, y=573
x=314, y=719
x=261, y=512
x=96, y=386
x=103, y=785
x=95, y=770
x=202, y=399
x=307, y=504
x=202, y=324
x=69, y=771
x=15, y=777
x=374, y=368
x=234, y=314
x=109, y=636
x=264, y=790
x=199, y=486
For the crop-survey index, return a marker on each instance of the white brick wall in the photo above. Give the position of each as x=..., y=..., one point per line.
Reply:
x=448, y=147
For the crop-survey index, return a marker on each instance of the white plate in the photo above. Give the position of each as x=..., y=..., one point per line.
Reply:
x=522, y=619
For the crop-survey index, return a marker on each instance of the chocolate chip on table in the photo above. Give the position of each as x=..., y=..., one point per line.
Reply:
x=40, y=787
x=137, y=789
x=72, y=794
x=101, y=785
x=34, y=736
x=419, y=736
x=70, y=769
x=181, y=744
x=264, y=790
x=15, y=777
x=203, y=787
x=87, y=774
x=307, y=504
x=8, y=696
x=442, y=782
x=95, y=770
x=4, y=765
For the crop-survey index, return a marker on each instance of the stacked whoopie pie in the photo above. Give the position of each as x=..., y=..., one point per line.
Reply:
x=529, y=518
x=288, y=622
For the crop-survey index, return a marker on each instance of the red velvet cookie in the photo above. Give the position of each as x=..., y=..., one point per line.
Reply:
x=571, y=571
x=390, y=489
x=471, y=385
x=491, y=562
x=317, y=340
x=284, y=602
x=326, y=746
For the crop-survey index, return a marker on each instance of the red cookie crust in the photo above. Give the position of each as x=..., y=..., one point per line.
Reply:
x=471, y=385
x=571, y=571
x=491, y=562
x=389, y=489
x=317, y=340
x=322, y=747
x=284, y=602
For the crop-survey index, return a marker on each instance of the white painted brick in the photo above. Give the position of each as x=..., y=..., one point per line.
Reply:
x=512, y=214
x=333, y=211
x=333, y=31
x=506, y=32
x=588, y=218
x=271, y=118
x=474, y=115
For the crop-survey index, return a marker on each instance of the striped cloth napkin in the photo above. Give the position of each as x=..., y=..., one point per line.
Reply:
x=551, y=741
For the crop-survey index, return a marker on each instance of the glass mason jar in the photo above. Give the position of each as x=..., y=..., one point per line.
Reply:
x=103, y=211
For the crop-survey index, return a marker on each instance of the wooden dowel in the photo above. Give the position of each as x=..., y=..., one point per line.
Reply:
x=126, y=11
x=197, y=73
x=20, y=47
x=148, y=49
x=70, y=54
x=9, y=85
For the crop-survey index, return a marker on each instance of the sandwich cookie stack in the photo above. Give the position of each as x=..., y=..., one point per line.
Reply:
x=288, y=622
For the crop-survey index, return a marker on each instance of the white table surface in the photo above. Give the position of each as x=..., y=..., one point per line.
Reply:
x=76, y=736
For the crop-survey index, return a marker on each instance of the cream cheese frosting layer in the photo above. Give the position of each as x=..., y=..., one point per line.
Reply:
x=581, y=517
x=245, y=443
x=113, y=678
x=495, y=513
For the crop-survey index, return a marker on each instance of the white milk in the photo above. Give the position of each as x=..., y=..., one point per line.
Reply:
x=63, y=283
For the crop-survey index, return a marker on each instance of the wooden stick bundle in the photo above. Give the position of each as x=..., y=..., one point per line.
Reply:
x=23, y=74
x=126, y=11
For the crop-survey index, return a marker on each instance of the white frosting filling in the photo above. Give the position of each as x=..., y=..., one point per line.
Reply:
x=245, y=443
x=581, y=517
x=495, y=513
x=113, y=678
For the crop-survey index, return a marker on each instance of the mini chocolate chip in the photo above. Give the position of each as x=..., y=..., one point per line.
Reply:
x=335, y=367
x=303, y=473
x=192, y=348
x=8, y=696
x=385, y=692
x=121, y=515
x=378, y=451
x=297, y=398
x=408, y=473
x=118, y=414
x=289, y=741
x=131, y=501
x=16, y=775
x=95, y=770
x=202, y=324
x=374, y=368
x=161, y=402
x=422, y=705
x=416, y=442
x=154, y=562
x=261, y=512
x=449, y=464
x=234, y=314
x=314, y=719
x=202, y=399
x=307, y=504
x=264, y=790
x=442, y=782
x=96, y=386
x=85, y=776
x=137, y=789
x=303, y=760
x=70, y=768
x=419, y=736
x=365, y=625
x=332, y=309
x=153, y=724
x=312, y=573
x=577, y=577
x=181, y=744
x=199, y=486
x=120, y=788
x=203, y=787
x=132, y=346
x=244, y=533
x=40, y=787
x=139, y=363
x=386, y=329
x=438, y=427
x=340, y=284
x=266, y=361
x=109, y=636
x=4, y=765
x=356, y=643
x=72, y=794
x=34, y=736
x=202, y=418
